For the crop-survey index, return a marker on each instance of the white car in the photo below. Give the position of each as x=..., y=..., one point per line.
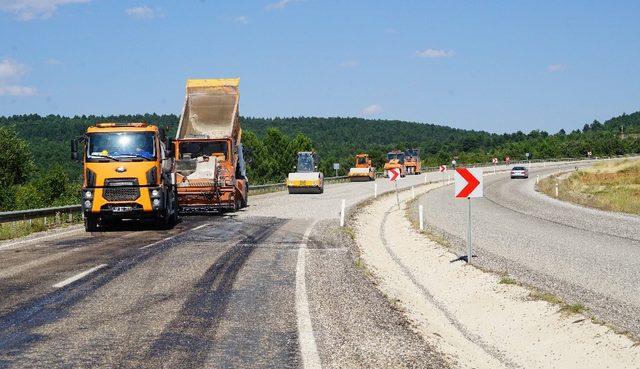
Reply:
x=519, y=172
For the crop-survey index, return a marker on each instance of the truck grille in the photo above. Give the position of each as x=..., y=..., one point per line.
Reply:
x=121, y=190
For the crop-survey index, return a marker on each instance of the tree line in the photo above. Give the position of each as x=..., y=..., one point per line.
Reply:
x=36, y=169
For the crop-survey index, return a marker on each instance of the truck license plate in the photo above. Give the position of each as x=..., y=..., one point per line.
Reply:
x=121, y=209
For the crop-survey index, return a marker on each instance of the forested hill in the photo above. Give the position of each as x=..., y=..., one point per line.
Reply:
x=338, y=139
x=36, y=170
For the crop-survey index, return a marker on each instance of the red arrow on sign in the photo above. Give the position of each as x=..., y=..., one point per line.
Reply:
x=394, y=173
x=472, y=182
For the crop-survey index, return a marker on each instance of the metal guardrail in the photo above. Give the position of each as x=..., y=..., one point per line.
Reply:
x=272, y=187
x=10, y=216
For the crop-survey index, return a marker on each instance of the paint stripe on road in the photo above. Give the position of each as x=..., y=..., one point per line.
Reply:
x=155, y=243
x=168, y=238
x=78, y=276
x=200, y=226
x=308, y=347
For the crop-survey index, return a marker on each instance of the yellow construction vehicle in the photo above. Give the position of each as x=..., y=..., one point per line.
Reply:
x=395, y=160
x=363, y=171
x=412, y=161
x=210, y=168
x=127, y=175
x=306, y=178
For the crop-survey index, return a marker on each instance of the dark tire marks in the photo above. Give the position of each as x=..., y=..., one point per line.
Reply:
x=188, y=339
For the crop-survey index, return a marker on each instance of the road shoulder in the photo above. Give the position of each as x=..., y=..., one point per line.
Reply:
x=466, y=313
x=354, y=324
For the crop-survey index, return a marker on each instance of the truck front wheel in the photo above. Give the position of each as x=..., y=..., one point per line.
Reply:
x=91, y=223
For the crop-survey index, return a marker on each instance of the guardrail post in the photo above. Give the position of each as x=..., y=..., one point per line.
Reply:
x=421, y=213
x=45, y=221
x=413, y=193
x=537, y=178
x=557, y=188
x=70, y=217
x=342, y=213
x=375, y=190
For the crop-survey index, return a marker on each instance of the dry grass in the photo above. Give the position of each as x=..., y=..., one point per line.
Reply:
x=612, y=186
x=21, y=228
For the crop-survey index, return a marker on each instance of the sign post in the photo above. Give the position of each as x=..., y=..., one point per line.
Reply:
x=394, y=174
x=468, y=184
x=336, y=166
x=442, y=169
x=495, y=163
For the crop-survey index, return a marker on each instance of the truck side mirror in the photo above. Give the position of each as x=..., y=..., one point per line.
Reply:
x=163, y=135
x=168, y=151
x=74, y=149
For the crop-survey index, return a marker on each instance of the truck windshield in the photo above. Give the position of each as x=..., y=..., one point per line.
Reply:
x=118, y=145
x=204, y=148
x=399, y=156
x=362, y=160
x=305, y=162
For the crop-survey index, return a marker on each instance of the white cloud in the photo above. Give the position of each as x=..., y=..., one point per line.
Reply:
x=142, y=12
x=553, y=68
x=10, y=73
x=31, y=9
x=53, y=61
x=17, y=90
x=435, y=53
x=10, y=70
x=372, y=109
x=241, y=19
x=281, y=4
x=348, y=64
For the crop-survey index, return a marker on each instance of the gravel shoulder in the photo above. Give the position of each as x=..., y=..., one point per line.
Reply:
x=467, y=314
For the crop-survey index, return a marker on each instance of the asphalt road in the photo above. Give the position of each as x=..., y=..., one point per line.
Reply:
x=582, y=255
x=274, y=285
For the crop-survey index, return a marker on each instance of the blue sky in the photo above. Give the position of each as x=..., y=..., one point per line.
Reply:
x=499, y=66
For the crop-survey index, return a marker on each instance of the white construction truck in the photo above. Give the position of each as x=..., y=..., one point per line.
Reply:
x=306, y=178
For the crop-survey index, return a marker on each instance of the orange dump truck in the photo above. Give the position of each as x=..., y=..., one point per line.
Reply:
x=412, y=161
x=127, y=175
x=395, y=159
x=363, y=171
x=210, y=168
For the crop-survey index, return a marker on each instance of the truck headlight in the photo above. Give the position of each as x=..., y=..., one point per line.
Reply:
x=155, y=193
x=87, y=204
x=88, y=194
x=156, y=202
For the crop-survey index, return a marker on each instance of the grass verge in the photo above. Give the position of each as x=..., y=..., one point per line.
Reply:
x=610, y=186
x=11, y=230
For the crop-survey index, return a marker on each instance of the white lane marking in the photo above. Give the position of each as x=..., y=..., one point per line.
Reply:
x=78, y=276
x=200, y=227
x=168, y=238
x=155, y=243
x=308, y=347
x=17, y=243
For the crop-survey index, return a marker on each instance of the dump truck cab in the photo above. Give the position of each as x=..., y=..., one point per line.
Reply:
x=363, y=171
x=127, y=175
x=210, y=167
x=307, y=178
x=412, y=161
x=395, y=160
